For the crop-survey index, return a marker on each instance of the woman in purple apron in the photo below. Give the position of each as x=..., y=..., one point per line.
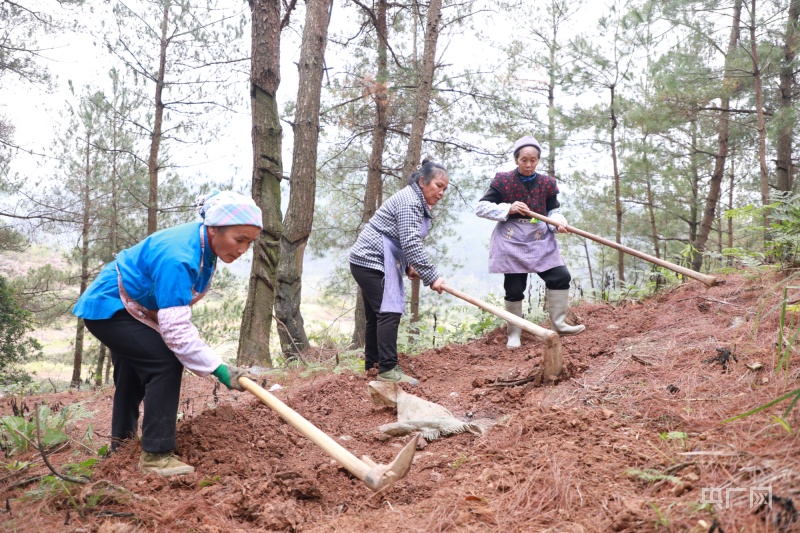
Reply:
x=519, y=246
x=389, y=246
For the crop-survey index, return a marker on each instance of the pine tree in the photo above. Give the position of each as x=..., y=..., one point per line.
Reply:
x=303, y=180
x=181, y=50
x=266, y=25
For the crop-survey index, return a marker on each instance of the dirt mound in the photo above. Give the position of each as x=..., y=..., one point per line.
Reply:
x=629, y=439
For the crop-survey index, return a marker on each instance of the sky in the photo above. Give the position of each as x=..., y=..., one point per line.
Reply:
x=77, y=58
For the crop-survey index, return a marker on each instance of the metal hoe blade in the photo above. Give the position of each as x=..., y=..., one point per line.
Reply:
x=380, y=477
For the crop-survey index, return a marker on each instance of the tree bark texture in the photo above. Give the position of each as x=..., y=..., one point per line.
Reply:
x=303, y=181
x=77, y=360
x=730, y=197
x=588, y=262
x=729, y=85
x=360, y=323
x=555, y=12
x=617, y=191
x=108, y=369
x=422, y=99
x=422, y=103
x=784, y=168
x=155, y=137
x=651, y=209
x=762, y=126
x=266, y=182
x=694, y=184
x=98, y=371
x=373, y=190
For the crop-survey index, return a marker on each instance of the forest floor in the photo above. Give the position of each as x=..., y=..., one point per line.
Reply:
x=629, y=439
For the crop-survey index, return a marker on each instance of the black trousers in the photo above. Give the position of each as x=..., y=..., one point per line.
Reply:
x=145, y=369
x=381, y=335
x=555, y=279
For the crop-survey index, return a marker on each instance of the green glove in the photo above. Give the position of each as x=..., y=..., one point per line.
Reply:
x=229, y=376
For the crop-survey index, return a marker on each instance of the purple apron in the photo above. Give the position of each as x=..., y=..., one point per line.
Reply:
x=394, y=267
x=519, y=247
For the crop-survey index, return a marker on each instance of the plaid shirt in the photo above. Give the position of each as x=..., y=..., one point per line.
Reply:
x=400, y=218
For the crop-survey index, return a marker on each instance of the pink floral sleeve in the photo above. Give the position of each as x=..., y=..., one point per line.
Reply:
x=182, y=337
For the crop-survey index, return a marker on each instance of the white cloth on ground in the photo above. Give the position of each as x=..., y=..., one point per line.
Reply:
x=414, y=414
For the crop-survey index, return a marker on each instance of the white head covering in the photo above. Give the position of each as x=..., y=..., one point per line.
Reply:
x=228, y=208
x=528, y=140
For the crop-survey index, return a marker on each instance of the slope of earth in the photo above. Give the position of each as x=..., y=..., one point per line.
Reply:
x=629, y=438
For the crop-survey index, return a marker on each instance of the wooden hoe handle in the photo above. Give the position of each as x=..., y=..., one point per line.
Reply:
x=688, y=272
x=513, y=319
x=375, y=476
x=553, y=361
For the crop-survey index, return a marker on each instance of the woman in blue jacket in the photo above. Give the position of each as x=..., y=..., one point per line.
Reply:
x=140, y=307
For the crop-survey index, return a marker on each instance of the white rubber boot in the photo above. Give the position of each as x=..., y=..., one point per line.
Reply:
x=557, y=303
x=514, y=332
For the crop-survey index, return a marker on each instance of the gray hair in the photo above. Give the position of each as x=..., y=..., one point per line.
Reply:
x=426, y=172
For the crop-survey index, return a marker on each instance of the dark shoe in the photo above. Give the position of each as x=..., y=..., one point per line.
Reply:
x=164, y=464
x=396, y=375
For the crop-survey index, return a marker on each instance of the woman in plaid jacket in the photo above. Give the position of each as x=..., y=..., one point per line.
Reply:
x=389, y=246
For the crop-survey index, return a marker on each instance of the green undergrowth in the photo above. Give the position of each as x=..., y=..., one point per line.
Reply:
x=40, y=425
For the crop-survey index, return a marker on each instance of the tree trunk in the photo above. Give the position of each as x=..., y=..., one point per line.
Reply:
x=695, y=183
x=414, y=307
x=373, y=190
x=730, y=198
x=551, y=88
x=729, y=85
x=98, y=371
x=651, y=210
x=784, y=168
x=303, y=182
x=116, y=125
x=360, y=323
x=617, y=191
x=266, y=183
x=155, y=138
x=77, y=359
x=588, y=262
x=762, y=127
x=114, y=237
x=424, y=89
x=420, y=120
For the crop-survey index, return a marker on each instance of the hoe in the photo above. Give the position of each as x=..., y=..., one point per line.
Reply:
x=553, y=358
x=710, y=281
x=377, y=477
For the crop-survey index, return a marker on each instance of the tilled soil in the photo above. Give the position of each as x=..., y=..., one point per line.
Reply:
x=628, y=439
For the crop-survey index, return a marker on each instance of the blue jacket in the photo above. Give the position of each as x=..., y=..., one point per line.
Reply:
x=159, y=272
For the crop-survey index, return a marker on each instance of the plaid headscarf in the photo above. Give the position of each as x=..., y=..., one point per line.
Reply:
x=228, y=208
